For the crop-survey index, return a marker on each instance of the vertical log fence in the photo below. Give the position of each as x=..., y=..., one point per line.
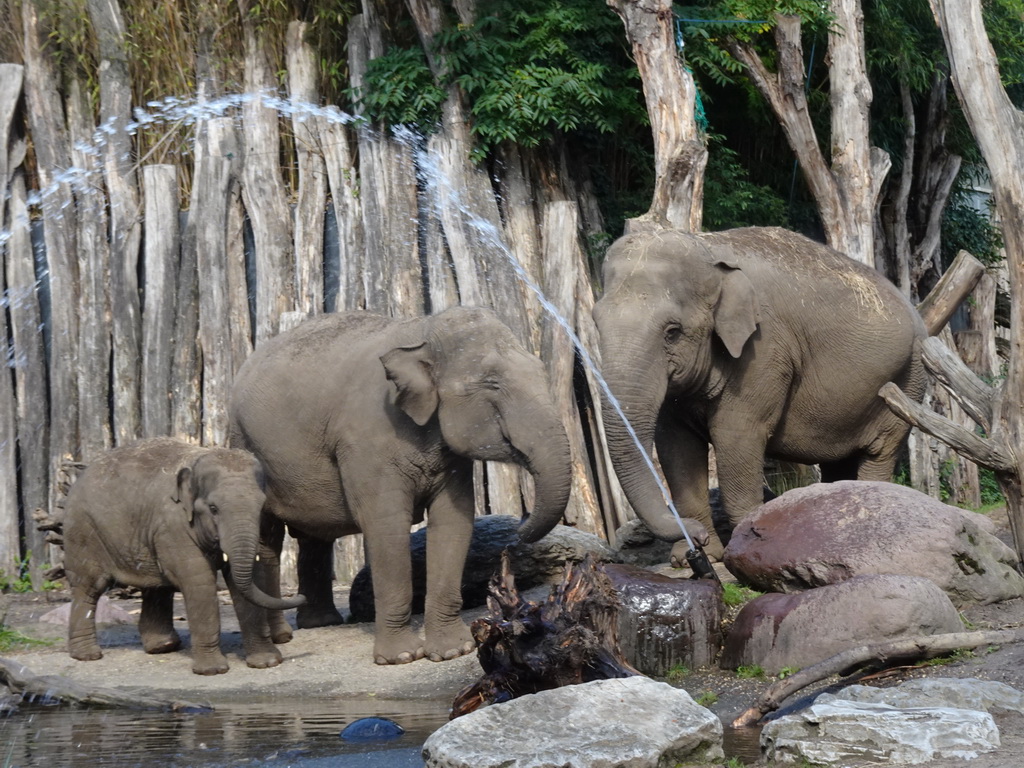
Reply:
x=124, y=316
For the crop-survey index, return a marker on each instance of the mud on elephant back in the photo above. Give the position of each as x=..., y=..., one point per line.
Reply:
x=165, y=515
x=760, y=342
x=367, y=424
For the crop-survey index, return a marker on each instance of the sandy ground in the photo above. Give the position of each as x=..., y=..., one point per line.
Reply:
x=336, y=662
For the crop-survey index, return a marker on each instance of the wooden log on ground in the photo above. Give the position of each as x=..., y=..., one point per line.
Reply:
x=20, y=680
x=525, y=647
x=880, y=655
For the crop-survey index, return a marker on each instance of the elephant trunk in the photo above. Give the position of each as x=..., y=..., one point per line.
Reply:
x=544, y=446
x=639, y=396
x=242, y=556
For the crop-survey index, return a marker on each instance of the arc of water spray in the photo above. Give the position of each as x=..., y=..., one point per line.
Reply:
x=412, y=139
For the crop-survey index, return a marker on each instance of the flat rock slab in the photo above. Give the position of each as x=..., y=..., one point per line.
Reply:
x=956, y=692
x=631, y=722
x=827, y=533
x=776, y=631
x=665, y=622
x=838, y=732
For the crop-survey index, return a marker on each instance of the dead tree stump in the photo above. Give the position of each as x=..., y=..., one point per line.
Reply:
x=525, y=646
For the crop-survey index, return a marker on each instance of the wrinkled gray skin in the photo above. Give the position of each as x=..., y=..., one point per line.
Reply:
x=366, y=423
x=165, y=515
x=760, y=342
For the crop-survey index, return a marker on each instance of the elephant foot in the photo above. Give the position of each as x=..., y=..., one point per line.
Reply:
x=400, y=648
x=86, y=653
x=264, y=659
x=213, y=665
x=280, y=632
x=713, y=549
x=309, y=617
x=449, y=642
x=161, y=643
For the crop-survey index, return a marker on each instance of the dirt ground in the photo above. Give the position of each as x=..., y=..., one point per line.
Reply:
x=337, y=662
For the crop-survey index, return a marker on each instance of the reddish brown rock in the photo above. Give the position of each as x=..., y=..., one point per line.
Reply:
x=776, y=631
x=830, y=532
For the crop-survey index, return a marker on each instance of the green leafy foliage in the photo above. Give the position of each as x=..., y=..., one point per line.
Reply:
x=707, y=698
x=21, y=580
x=731, y=199
x=401, y=90
x=967, y=227
x=750, y=672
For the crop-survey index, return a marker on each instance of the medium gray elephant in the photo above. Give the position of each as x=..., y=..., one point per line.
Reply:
x=365, y=424
x=760, y=342
x=165, y=515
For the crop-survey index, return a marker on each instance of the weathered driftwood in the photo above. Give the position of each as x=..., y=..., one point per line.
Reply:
x=882, y=654
x=525, y=647
x=125, y=230
x=20, y=680
x=955, y=285
x=160, y=257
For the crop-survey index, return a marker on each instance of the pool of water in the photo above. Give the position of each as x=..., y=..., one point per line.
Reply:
x=267, y=733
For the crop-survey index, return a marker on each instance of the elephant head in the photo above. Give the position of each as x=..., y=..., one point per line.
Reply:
x=672, y=317
x=222, y=495
x=492, y=402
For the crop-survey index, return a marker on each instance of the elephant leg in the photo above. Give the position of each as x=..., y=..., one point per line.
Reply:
x=267, y=576
x=257, y=642
x=156, y=623
x=85, y=592
x=199, y=589
x=449, y=530
x=683, y=456
x=739, y=453
x=316, y=574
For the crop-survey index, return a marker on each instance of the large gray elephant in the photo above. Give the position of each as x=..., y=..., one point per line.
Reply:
x=165, y=515
x=368, y=423
x=760, y=342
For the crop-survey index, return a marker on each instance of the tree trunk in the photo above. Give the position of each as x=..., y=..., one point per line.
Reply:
x=163, y=244
x=125, y=230
x=679, y=152
x=94, y=287
x=847, y=192
x=263, y=188
x=311, y=197
x=52, y=150
x=999, y=128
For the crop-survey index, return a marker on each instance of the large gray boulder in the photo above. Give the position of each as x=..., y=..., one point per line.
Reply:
x=776, y=631
x=631, y=722
x=541, y=562
x=827, y=533
x=666, y=621
x=915, y=722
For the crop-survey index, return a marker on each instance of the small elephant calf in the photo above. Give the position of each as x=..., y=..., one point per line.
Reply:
x=165, y=515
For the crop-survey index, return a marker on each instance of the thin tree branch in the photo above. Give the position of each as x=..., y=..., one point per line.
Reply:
x=886, y=653
x=988, y=453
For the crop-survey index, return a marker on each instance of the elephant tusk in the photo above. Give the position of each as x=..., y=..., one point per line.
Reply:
x=257, y=558
x=225, y=557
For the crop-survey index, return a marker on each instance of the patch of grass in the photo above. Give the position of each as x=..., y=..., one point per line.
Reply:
x=787, y=672
x=751, y=672
x=734, y=762
x=11, y=639
x=677, y=673
x=707, y=698
x=734, y=595
x=960, y=654
x=968, y=624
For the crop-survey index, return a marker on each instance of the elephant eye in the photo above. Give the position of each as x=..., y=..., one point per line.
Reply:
x=673, y=333
x=490, y=382
x=213, y=509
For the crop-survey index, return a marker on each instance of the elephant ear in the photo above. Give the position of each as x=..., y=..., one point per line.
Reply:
x=737, y=313
x=411, y=369
x=183, y=496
